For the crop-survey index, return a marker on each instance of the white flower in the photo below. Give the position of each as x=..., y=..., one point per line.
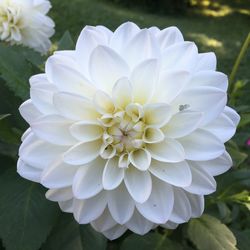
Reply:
x=25, y=22
x=128, y=130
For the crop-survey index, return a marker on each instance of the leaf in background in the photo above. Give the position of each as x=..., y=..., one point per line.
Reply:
x=16, y=67
x=4, y=116
x=150, y=241
x=66, y=42
x=243, y=239
x=68, y=234
x=26, y=217
x=237, y=156
x=208, y=233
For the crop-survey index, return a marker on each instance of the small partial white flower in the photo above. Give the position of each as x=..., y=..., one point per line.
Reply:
x=128, y=130
x=25, y=22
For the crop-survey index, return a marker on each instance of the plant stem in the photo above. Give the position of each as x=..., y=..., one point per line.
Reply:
x=238, y=61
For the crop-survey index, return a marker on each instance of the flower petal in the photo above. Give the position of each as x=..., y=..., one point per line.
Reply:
x=183, y=55
x=177, y=174
x=222, y=127
x=88, y=180
x=170, y=84
x=200, y=99
x=29, y=112
x=182, y=209
x=168, y=150
x=138, y=184
x=90, y=209
x=103, y=103
x=153, y=135
x=182, y=124
x=206, y=61
x=122, y=93
x=59, y=194
x=138, y=224
x=140, y=158
x=106, y=67
x=201, y=146
x=232, y=114
x=58, y=175
x=216, y=166
x=196, y=203
x=144, y=42
x=39, y=154
x=120, y=204
x=75, y=107
x=53, y=129
x=156, y=114
x=115, y=232
x=86, y=131
x=83, y=153
x=202, y=182
x=143, y=79
x=112, y=174
x=160, y=203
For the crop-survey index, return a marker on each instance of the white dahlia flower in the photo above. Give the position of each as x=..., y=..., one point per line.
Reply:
x=128, y=130
x=25, y=22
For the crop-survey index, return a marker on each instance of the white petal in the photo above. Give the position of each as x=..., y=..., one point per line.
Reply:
x=112, y=174
x=58, y=175
x=38, y=153
x=169, y=36
x=168, y=150
x=140, y=158
x=86, y=131
x=122, y=93
x=153, y=135
x=29, y=112
x=75, y=107
x=83, y=153
x=196, y=203
x=202, y=182
x=216, y=166
x=115, y=232
x=177, y=174
x=143, y=79
x=66, y=206
x=154, y=30
x=121, y=205
x=170, y=225
x=68, y=79
x=53, y=129
x=138, y=183
x=106, y=67
x=206, y=61
x=104, y=222
x=182, y=208
x=200, y=99
x=88, y=40
x=122, y=35
x=182, y=124
x=232, y=114
x=210, y=79
x=61, y=194
x=103, y=103
x=222, y=127
x=28, y=172
x=42, y=97
x=201, y=146
x=90, y=209
x=181, y=55
x=156, y=114
x=170, y=84
x=160, y=203
x=138, y=224
x=88, y=180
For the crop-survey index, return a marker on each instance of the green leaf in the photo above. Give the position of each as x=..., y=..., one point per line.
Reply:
x=208, y=233
x=68, y=234
x=243, y=239
x=66, y=42
x=26, y=217
x=237, y=156
x=150, y=241
x=4, y=116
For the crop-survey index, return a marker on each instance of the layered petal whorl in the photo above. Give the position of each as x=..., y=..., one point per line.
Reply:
x=128, y=130
x=25, y=22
